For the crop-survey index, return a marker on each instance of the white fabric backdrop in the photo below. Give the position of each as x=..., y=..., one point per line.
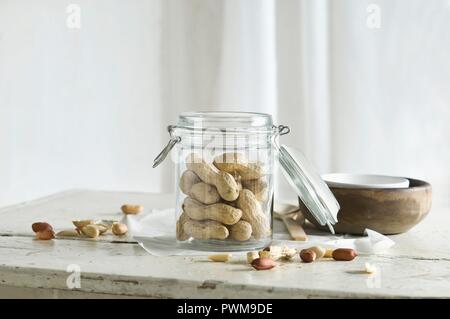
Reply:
x=88, y=107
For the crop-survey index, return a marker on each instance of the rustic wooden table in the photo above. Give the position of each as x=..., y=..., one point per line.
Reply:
x=417, y=266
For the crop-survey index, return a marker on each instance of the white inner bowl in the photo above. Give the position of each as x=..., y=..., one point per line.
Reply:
x=342, y=180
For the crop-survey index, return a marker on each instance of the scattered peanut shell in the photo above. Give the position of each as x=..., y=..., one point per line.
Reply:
x=220, y=257
x=307, y=255
x=265, y=254
x=106, y=222
x=119, y=229
x=263, y=263
x=320, y=252
x=344, y=254
x=252, y=255
x=370, y=269
x=288, y=253
x=81, y=223
x=129, y=209
x=328, y=253
x=102, y=228
x=90, y=231
x=68, y=233
x=273, y=252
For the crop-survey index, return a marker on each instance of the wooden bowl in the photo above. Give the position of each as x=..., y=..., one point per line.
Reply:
x=387, y=211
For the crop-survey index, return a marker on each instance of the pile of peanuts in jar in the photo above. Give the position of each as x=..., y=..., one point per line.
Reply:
x=226, y=199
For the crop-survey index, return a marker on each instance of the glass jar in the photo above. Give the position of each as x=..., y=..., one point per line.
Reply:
x=224, y=179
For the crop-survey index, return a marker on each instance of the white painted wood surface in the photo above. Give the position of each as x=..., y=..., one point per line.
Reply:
x=417, y=266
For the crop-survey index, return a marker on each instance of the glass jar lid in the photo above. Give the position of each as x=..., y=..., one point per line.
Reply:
x=225, y=120
x=309, y=186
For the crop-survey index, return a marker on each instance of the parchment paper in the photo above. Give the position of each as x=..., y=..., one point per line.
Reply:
x=155, y=232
